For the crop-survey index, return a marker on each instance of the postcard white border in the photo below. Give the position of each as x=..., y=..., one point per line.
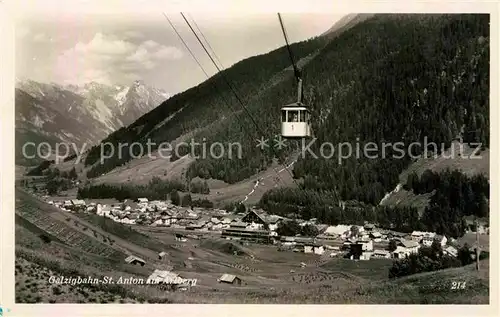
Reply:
x=11, y=9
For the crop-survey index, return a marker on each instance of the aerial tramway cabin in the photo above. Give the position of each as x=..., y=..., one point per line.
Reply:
x=295, y=121
x=295, y=117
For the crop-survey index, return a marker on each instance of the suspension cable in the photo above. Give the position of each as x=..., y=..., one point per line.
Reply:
x=241, y=103
x=208, y=76
x=237, y=98
x=297, y=74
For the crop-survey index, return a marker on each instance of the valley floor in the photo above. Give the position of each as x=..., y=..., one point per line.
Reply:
x=79, y=248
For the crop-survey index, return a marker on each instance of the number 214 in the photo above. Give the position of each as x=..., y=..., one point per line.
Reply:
x=457, y=285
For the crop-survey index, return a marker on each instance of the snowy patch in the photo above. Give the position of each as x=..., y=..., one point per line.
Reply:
x=121, y=97
x=103, y=114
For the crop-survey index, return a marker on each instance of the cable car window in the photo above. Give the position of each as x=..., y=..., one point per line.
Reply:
x=283, y=115
x=302, y=116
x=293, y=116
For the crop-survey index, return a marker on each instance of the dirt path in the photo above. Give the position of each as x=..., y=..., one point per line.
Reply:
x=259, y=181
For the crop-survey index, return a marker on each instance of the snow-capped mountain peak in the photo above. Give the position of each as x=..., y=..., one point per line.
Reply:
x=86, y=113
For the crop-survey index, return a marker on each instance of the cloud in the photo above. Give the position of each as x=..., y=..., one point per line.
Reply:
x=168, y=53
x=151, y=44
x=133, y=34
x=111, y=60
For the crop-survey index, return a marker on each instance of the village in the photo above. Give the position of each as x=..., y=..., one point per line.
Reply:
x=256, y=226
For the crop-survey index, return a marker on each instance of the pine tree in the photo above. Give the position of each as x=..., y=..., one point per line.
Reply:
x=175, y=197
x=73, y=174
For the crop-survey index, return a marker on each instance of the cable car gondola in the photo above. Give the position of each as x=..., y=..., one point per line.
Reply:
x=295, y=117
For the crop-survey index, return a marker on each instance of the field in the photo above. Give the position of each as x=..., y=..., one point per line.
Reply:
x=268, y=275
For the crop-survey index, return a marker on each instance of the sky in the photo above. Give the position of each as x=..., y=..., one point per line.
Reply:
x=116, y=47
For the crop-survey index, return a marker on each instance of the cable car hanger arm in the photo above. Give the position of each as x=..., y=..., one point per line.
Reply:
x=296, y=70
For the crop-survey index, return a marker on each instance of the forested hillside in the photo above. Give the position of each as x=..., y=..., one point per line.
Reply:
x=454, y=196
x=396, y=78
x=391, y=78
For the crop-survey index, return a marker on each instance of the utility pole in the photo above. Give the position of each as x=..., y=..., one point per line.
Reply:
x=478, y=252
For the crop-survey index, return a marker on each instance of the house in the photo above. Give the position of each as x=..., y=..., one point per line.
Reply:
x=158, y=222
x=215, y=221
x=255, y=220
x=161, y=255
x=381, y=254
x=167, y=220
x=395, y=235
x=229, y=279
x=361, y=229
x=216, y=227
x=242, y=233
x=375, y=235
x=287, y=240
x=366, y=245
x=365, y=236
x=321, y=228
x=164, y=277
x=273, y=222
x=304, y=241
x=327, y=237
x=441, y=239
x=77, y=204
x=329, y=247
x=128, y=219
x=418, y=236
x=405, y=248
x=400, y=252
x=340, y=230
x=226, y=222
x=479, y=228
x=409, y=245
x=132, y=259
x=346, y=245
x=238, y=225
x=318, y=249
x=103, y=210
x=369, y=227
x=473, y=226
x=142, y=200
x=197, y=226
x=358, y=251
x=451, y=251
x=365, y=256
x=314, y=248
x=428, y=239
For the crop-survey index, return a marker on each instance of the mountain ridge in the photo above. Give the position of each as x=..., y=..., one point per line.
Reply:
x=83, y=114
